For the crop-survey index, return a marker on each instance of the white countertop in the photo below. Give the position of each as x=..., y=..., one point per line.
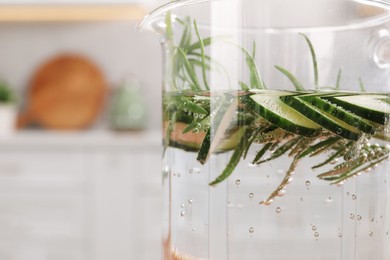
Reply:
x=88, y=138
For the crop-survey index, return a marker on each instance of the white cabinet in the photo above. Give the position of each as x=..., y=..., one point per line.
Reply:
x=66, y=197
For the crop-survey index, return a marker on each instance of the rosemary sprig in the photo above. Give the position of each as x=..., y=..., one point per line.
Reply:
x=229, y=117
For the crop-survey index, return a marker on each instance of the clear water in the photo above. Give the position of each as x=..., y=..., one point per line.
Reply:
x=313, y=220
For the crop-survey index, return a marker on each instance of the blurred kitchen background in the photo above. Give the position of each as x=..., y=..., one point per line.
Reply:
x=80, y=141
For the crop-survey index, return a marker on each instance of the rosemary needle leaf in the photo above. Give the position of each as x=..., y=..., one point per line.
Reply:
x=298, y=86
x=194, y=108
x=169, y=130
x=323, y=145
x=314, y=58
x=281, y=187
x=190, y=70
x=202, y=51
x=186, y=37
x=168, y=22
x=282, y=149
x=256, y=80
x=261, y=130
x=338, y=80
x=357, y=170
x=261, y=153
x=190, y=127
x=361, y=85
x=244, y=86
x=200, y=64
x=253, y=71
x=235, y=159
x=206, y=42
x=331, y=158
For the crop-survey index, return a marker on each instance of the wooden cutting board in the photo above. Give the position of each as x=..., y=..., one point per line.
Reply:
x=66, y=93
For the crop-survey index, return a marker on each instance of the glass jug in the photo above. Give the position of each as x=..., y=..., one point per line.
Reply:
x=276, y=129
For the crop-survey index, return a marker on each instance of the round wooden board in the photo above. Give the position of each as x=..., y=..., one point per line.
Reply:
x=66, y=93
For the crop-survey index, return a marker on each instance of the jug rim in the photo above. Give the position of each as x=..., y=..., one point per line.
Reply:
x=158, y=15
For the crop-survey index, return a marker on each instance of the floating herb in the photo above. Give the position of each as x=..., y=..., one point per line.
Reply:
x=228, y=122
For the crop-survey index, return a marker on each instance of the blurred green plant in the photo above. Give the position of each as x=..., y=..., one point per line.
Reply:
x=7, y=95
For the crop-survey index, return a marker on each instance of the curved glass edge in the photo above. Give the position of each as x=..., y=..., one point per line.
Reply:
x=148, y=20
x=151, y=21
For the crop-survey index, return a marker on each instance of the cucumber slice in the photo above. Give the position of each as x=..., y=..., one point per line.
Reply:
x=269, y=106
x=322, y=118
x=374, y=107
x=338, y=112
x=191, y=142
x=220, y=124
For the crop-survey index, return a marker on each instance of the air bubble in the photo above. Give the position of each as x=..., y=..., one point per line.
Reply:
x=238, y=182
x=334, y=161
x=372, y=219
x=358, y=217
x=251, y=165
x=196, y=170
x=182, y=214
x=329, y=200
x=182, y=205
x=251, y=195
x=340, y=235
x=341, y=183
x=281, y=193
x=352, y=216
x=193, y=229
x=314, y=228
x=316, y=234
x=190, y=201
x=278, y=210
x=354, y=197
x=371, y=233
x=339, y=131
x=307, y=183
x=251, y=230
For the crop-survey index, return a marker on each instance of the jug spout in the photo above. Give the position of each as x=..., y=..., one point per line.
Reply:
x=156, y=20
